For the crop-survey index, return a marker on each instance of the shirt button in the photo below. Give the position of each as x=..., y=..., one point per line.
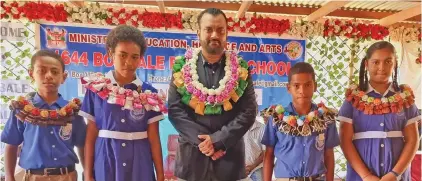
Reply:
x=382, y=145
x=51, y=132
x=304, y=144
x=382, y=164
x=53, y=146
x=123, y=120
x=303, y=162
x=55, y=159
x=382, y=124
x=124, y=164
x=123, y=144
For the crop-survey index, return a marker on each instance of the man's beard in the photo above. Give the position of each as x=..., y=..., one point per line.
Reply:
x=210, y=50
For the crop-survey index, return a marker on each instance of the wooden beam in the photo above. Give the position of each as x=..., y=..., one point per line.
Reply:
x=415, y=18
x=161, y=6
x=186, y=4
x=78, y=3
x=326, y=9
x=243, y=8
x=400, y=16
x=259, y=8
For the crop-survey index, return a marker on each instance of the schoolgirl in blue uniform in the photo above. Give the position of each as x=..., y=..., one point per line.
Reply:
x=123, y=140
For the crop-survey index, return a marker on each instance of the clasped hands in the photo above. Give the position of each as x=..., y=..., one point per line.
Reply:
x=207, y=148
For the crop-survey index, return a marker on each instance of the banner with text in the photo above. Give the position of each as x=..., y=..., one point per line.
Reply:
x=83, y=51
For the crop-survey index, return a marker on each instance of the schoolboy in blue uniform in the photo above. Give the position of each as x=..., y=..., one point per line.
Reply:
x=48, y=150
x=302, y=135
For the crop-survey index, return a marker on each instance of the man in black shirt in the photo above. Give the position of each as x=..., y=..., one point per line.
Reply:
x=211, y=146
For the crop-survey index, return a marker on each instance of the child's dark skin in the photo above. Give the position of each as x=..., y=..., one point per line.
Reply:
x=126, y=59
x=302, y=88
x=47, y=74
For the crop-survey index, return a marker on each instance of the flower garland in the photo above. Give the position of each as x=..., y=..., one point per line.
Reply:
x=354, y=30
x=306, y=29
x=418, y=60
x=315, y=121
x=95, y=14
x=26, y=111
x=204, y=100
x=33, y=11
x=405, y=34
x=258, y=24
x=127, y=98
x=371, y=105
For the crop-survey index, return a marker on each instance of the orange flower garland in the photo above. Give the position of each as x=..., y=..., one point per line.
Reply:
x=371, y=105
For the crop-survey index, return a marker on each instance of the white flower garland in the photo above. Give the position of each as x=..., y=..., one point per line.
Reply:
x=195, y=78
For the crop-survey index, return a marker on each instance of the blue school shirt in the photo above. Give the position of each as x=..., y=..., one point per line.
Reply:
x=299, y=156
x=380, y=155
x=45, y=146
x=121, y=160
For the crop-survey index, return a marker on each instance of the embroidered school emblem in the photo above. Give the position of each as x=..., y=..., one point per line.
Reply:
x=320, y=142
x=137, y=115
x=65, y=132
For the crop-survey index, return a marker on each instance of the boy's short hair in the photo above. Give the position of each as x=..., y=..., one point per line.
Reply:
x=126, y=33
x=301, y=67
x=46, y=53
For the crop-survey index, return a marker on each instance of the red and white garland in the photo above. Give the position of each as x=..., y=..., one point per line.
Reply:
x=371, y=105
x=95, y=14
x=127, y=98
x=352, y=29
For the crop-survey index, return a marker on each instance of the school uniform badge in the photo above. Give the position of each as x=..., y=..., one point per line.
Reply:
x=65, y=132
x=137, y=114
x=320, y=142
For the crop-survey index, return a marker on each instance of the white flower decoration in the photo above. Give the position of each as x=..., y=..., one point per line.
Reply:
x=365, y=98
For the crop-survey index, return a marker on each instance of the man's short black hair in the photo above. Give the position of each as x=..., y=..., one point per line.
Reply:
x=125, y=33
x=212, y=11
x=301, y=67
x=46, y=53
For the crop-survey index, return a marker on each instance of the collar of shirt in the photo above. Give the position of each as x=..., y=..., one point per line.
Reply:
x=110, y=75
x=291, y=109
x=259, y=121
x=371, y=89
x=39, y=102
x=217, y=64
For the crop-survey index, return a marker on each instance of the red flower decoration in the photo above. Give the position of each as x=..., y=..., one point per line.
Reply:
x=35, y=112
x=109, y=21
x=53, y=114
x=122, y=21
x=25, y=102
x=39, y=11
x=68, y=110
x=348, y=29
